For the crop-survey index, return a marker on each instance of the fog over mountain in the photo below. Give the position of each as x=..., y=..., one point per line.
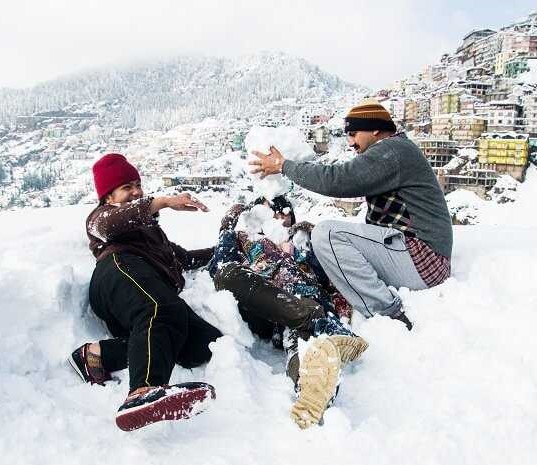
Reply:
x=160, y=95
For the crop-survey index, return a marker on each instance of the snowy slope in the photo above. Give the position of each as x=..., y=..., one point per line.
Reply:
x=184, y=88
x=460, y=389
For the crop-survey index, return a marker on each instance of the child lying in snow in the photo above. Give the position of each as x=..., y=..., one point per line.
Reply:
x=282, y=285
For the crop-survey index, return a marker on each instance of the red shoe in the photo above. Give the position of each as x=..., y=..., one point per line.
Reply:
x=177, y=402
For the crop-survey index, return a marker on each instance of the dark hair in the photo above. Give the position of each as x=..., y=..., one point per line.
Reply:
x=278, y=205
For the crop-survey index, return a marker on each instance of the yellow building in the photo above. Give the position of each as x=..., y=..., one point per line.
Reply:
x=444, y=104
x=450, y=103
x=504, y=151
x=467, y=128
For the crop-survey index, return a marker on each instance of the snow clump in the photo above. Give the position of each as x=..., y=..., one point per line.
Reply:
x=289, y=141
x=259, y=222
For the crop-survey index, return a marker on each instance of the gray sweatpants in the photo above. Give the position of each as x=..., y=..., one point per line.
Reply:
x=362, y=260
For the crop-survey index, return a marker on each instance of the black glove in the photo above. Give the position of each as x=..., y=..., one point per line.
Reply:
x=403, y=319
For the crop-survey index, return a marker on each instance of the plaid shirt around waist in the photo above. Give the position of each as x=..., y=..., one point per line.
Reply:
x=390, y=211
x=432, y=267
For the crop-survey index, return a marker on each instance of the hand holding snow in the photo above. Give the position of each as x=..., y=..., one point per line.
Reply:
x=290, y=142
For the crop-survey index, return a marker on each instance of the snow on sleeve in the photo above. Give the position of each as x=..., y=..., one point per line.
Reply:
x=110, y=221
x=259, y=222
x=290, y=142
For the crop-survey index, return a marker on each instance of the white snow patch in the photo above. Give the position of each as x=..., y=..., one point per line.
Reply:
x=301, y=240
x=460, y=388
x=218, y=308
x=259, y=222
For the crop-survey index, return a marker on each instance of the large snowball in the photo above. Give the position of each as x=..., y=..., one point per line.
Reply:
x=290, y=142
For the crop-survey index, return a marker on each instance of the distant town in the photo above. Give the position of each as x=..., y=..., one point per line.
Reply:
x=479, y=103
x=474, y=115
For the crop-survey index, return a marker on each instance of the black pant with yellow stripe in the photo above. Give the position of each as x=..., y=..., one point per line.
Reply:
x=153, y=326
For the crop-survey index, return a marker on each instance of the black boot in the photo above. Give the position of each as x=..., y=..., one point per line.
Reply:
x=290, y=345
x=400, y=315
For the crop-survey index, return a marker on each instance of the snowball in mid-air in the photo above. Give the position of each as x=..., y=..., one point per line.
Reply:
x=290, y=142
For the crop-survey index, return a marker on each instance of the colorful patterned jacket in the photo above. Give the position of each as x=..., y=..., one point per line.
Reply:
x=295, y=271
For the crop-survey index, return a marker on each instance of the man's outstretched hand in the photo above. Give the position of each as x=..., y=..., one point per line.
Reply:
x=267, y=163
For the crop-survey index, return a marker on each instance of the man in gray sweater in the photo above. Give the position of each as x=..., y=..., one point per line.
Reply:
x=408, y=237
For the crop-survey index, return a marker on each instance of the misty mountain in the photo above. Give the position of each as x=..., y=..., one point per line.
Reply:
x=160, y=95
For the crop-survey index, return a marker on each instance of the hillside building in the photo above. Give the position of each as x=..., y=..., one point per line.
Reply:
x=197, y=182
x=509, y=149
x=438, y=152
x=502, y=116
x=529, y=103
x=478, y=178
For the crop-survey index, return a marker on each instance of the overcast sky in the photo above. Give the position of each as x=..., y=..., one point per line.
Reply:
x=363, y=41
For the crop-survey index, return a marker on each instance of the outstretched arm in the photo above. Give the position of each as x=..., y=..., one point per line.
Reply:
x=371, y=173
x=229, y=221
x=181, y=202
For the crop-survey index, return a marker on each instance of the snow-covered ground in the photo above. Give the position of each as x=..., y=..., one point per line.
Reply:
x=461, y=388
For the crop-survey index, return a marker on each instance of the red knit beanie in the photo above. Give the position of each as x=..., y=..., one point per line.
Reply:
x=111, y=171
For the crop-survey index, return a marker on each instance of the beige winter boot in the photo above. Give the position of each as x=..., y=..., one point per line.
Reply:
x=350, y=347
x=319, y=374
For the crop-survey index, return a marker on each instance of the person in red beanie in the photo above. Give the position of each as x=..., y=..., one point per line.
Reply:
x=134, y=289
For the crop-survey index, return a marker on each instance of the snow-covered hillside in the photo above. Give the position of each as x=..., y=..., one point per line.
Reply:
x=461, y=388
x=163, y=94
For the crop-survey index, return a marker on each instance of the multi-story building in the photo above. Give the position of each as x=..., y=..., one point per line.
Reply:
x=520, y=43
x=514, y=45
x=433, y=74
x=504, y=115
x=478, y=178
x=438, y=152
x=497, y=93
x=468, y=48
x=445, y=103
x=485, y=51
x=465, y=129
x=517, y=65
x=436, y=106
x=505, y=149
x=396, y=107
x=529, y=103
x=411, y=111
x=450, y=103
x=441, y=126
x=467, y=104
x=423, y=109
x=476, y=88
